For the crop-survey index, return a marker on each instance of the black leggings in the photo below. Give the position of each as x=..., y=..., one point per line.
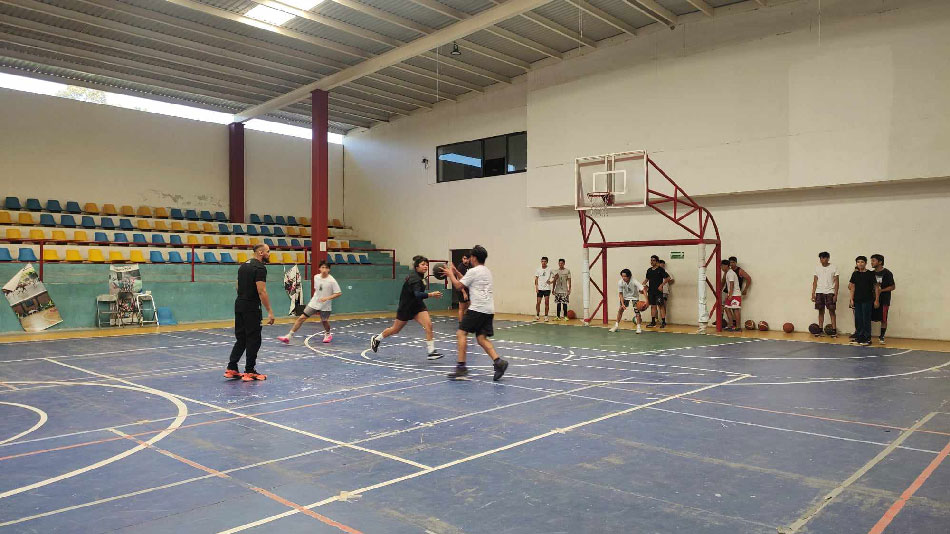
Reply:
x=559, y=305
x=247, y=331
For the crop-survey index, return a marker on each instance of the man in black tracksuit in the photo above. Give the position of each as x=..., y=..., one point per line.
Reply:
x=251, y=293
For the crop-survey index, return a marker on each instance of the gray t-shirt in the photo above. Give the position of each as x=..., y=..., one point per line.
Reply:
x=562, y=282
x=323, y=287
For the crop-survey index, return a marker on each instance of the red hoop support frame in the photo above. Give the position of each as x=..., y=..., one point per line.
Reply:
x=680, y=209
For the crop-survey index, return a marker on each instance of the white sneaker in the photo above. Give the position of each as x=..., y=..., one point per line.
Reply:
x=614, y=327
x=545, y=318
x=639, y=330
x=537, y=317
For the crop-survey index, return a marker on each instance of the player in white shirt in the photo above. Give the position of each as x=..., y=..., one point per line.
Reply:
x=325, y=289
x=480, y=314
x=542, y=287
x=733, y=302
x=630, y=291
x=824, y=292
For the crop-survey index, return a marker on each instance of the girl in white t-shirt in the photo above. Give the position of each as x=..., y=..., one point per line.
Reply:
x=325, y=289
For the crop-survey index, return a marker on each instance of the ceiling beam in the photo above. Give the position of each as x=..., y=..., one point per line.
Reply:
x=415, y=48
x=703, y=6
x=560, y=29
x=595, y=11
x=762, y=3
x=654, y=10
x=342, y=97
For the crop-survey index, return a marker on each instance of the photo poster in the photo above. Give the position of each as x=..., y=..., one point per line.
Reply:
x=30, y=301
x=124, y=279
x=294, y=288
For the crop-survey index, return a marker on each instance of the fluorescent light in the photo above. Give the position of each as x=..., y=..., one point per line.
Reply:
x=269, y=15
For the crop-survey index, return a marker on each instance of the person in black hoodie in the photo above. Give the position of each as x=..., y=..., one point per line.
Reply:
x=412, y=306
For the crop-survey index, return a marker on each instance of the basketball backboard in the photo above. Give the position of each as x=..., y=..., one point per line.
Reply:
x=617, y=180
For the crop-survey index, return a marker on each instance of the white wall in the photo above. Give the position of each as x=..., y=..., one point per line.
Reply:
x=57, y=148
x=573, y=108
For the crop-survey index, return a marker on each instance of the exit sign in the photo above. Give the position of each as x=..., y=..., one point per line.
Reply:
x=677, y=255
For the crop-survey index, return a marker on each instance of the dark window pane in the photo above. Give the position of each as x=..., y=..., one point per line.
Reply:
x=517, y=152
x=495, y=150
x=460, y=161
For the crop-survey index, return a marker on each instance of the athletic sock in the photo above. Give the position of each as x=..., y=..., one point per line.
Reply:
x=883, y=331
x=290, y=334
x=430, y=345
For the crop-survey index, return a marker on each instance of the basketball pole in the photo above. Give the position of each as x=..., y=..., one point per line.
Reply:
x=585, y=278
x=701, y=289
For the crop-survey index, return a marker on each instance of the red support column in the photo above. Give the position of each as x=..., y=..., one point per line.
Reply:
x=236, y=172
x=319, y=180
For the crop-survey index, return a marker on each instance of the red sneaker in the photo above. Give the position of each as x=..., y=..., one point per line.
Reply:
x=284, y=339
x=250, y=377
x=232, y=374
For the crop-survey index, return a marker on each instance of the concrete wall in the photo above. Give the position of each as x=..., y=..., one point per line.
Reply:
x=796, y=148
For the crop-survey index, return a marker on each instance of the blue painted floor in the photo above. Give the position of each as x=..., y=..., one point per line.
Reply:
x=142, y=434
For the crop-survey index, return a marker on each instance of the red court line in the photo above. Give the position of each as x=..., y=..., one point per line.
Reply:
x=895, y=508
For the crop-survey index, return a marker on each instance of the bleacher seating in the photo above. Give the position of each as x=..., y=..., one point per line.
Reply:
x=255, y=218
x=176, y=213
x=5, y=217
x=191, y=215
x=53, y=206
x=73, y=207
x=90, y=208
x=12, y=204
x=46, y=219
x=206, y=215
x=155, y=256
x=33, y=204
x=127, y=211
x=5, y=254
x=106, y=223
x=108, y=209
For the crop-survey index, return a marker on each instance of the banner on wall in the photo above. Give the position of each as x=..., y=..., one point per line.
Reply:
x=294, y=288
x=30, y=301
x=124, y=279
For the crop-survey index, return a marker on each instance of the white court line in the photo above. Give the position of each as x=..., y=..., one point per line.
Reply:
x=826, y=500
x=360, y=491
x=107, y=353
x=789, y=358
x=257, y=419
x=182, y=414
x=41, y=422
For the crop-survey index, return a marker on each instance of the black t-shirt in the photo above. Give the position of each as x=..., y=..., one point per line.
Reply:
x=884, y=279
x=655, y=277
x=462, y=269
x=250, y=272
x=863, y=285
x=407, y=298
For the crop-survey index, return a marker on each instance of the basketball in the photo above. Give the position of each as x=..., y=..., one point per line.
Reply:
x=750, y=325
x=814, y=328
x=830, y=330
x=763, y=326
x=642, y=305
x=571, y=315
x=789, y=328
x=438, y=271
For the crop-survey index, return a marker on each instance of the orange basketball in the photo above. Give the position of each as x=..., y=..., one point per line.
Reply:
x=763, y=326
x=571, y=315
x=788, y=328
x=642, y=305
x=750, y=325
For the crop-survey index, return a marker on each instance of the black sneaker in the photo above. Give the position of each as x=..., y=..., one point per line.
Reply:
x=663, y=324
x=880, y=340
x=374, y=342
x=500, y=367
x=853, y=337
x=459, y=372
x=865, y=343
x=434, y=355
x=652, y=324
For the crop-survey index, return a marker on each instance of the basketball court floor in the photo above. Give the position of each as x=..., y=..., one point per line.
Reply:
x=588, y=432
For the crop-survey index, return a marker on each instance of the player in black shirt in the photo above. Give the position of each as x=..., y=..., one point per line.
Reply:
x=656, y=277
x=885, y=279
x=251, y=293
x=412, y=306
x=865, y=295
x=462, y=268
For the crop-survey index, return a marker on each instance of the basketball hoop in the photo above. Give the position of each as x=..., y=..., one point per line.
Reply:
x=599, y=201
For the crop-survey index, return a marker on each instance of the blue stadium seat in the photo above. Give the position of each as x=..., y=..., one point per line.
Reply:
x=67, y=221
x=188, y=258
x=351, y=258
x=220, y=216
x=126, y=224
x=269, y=242
x=279, y=219
x=278, y=231
x=106, y=223
x=73, y=207
x=100, y=237
x=47, y=220
x=120, y=237
x=175, y=213
x=139, y=238
x=307, y=243
x=265, y=230
x=338, y=258
x=364, y=259
x=191, y=215
x=237, y=229
x=5, y=254
x=12, y=203
x=330, y=259
x=291, y=220
x=268, y=219
x=252, y=230
x=27, y=254
x=206, y=216
x=88, y=221
x=174, y=257
x=155, y=256
x=158, y=239
x=210, y=258
x=53, y=206
x=33, y=204
x=224, y=229
x=255, y=218
x=281, y=242
x=175, y=239
x=295, y=243
x=226, y=258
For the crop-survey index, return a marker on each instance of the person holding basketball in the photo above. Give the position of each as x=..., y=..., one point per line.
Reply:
x=630, y=291
x=412, y=306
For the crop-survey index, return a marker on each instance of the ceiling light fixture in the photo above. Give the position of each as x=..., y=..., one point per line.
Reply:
x=455, y=49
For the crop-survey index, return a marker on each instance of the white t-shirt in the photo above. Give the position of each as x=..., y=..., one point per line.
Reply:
x=826, y=279
x=544, y=275
x=630, y=291
x=478, y=280
x=323, y=287
x=731, y=276
x=666, y=286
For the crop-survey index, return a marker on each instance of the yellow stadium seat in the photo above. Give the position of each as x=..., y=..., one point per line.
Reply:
x=143, y=224
x=241, y=257
x=160, y=226
x=177, y=226
x=301, y=258
x=255, y=241
x=50, y=254
x=193, y=227
x=224, y=240
x=109, y=209
x=116, y=256
x=160, y=213
x=208, y=228
x=240, y=241
x=59, y=235
x=144, y=211
x=136, y=256
x=192, y=240
x=36, y=233
x=292, y=231
x=208, y=240
x=287, y=258
x=73, y=255
x=303, y=221
x=5, y=217
x=337, y=223
x=95, y=256
x=333, y=243
x=13, y=233
x=128, y=211
x=25, y=219
x=80, y=235
x=345, y=243
x=304, y=232
x=90, y=207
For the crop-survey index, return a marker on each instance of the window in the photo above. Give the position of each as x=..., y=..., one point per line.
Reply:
x=493, y=156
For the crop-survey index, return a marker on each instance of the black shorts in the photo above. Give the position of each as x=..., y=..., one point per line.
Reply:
x=544, y=293
x=656, y=299
x=461, y=296
x=408, y=314
x=477, y=323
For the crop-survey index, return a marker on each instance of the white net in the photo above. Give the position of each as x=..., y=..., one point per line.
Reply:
x=598, y=204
